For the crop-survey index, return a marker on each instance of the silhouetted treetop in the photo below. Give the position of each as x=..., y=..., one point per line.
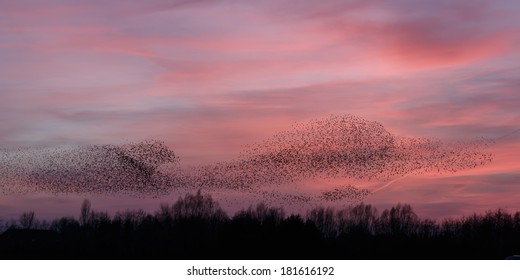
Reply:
x=197, y=206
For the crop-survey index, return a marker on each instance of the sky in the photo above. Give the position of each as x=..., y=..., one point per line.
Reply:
x=210, y=77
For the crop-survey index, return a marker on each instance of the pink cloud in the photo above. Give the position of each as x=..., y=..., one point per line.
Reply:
x=418, y=52
x=208, y=78
x=449, y=35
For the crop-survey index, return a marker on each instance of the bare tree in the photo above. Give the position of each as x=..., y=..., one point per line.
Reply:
x=85, y=212
x=400, y=219
x=263, y=214
x=198, y=206
x=27, y=220
x=131, y=219
x=364, y=217
x=323, y=218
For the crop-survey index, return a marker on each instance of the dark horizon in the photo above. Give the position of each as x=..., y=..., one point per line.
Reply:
x=195, y=227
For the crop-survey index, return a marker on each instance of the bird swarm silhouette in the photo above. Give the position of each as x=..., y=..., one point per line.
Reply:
x=343, y=146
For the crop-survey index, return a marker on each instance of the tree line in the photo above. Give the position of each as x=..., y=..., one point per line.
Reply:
x=196, y=227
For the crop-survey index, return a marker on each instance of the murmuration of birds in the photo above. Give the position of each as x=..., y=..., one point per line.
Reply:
x=350, y=193
x=338, y=146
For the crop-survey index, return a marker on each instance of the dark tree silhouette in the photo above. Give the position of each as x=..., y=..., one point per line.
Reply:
x=400, y=219
x=324, y=220
x=360, y=219
x=85, y=212
x=197, y=206
x=27, y=220
x=263, y=214
x=195, y=227
x=65, y=225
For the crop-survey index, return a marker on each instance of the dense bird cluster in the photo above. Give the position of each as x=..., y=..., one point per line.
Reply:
x=348, y=193
x=351, y=147
x=343, y=146
x=103, y=169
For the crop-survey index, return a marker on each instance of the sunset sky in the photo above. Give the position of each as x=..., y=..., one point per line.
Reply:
x=209, y=77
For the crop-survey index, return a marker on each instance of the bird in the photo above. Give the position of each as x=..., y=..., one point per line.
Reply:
x=346, y=147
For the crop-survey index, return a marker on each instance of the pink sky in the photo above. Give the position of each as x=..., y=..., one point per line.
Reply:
x=208, y=77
